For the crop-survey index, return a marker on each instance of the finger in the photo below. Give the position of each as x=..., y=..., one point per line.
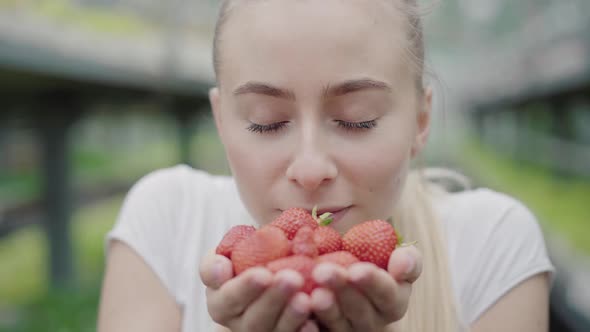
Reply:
x=329, y=275
x=215, y=270
x=405, y=264
x=232, y=299
x=382, y=291
x=263, y=314
x=327, y=311
x=310, y=326
x=295, y=314
x=354, y=305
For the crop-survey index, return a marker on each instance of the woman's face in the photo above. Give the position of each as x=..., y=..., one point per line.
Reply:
x=317, y=105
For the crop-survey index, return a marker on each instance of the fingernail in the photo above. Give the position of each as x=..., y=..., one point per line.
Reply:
x=260, y=280
x=309, y=327
x=324, y=301
x=288, y=281
x=298, y=306
x=356, y=274
x=218, y=271
x=286, y=286
x=322, y=274
x=411, y=263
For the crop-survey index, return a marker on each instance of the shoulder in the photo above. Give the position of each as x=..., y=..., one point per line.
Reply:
x=484, y=220
x=178, y=179
x=458, y=209
x=183, y=196
x=494, y=242
x=177, y=187
x=172, y=216
x=476, y=217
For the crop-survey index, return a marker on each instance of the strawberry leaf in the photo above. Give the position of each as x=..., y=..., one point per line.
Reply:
x=326, y=219
x=400, y=238
x=413, y=243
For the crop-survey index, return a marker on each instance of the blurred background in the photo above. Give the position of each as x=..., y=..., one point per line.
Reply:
x=95, y=94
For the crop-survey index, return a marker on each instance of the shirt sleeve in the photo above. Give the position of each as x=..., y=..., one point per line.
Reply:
x=511, y=249
x=149, y=219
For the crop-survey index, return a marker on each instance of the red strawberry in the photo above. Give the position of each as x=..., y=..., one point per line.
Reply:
x=342, y=258
x=327, y=239
x=291, y=220
x=303, y=242
x=372, y=241
x=302, y=264
x=232, y=237
x=265, y=245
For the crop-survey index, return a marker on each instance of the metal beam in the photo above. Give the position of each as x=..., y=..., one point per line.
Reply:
x=57, y=114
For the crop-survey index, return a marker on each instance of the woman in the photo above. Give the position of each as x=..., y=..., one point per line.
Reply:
x=322, y=102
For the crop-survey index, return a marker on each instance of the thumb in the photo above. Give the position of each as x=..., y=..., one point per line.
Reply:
x=405, y=264
x=215, y=270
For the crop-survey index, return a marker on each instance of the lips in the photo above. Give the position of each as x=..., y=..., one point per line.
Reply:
x=337, y=212
x=331, y=210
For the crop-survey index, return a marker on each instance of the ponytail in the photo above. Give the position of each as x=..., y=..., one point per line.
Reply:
x=432, y=306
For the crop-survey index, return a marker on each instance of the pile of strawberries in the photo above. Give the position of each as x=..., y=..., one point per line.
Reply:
x=299, y=240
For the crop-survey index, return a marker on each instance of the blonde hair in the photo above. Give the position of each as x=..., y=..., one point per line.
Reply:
x=432, y=306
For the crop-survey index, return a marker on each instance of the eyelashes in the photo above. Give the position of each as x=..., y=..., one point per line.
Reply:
x=348, y=126
x=365, y=125
x=270, y=128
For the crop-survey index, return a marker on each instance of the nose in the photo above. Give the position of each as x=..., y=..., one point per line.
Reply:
x=311, y=165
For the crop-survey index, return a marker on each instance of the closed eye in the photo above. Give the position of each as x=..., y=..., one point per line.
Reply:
x=269, y=128
x=275, y=127
x=357, y=126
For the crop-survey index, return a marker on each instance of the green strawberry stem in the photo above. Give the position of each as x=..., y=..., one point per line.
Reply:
x=407, y=244
x=400, y=238
x=323, y=220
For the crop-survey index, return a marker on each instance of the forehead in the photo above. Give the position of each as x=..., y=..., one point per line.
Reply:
x=319, y=40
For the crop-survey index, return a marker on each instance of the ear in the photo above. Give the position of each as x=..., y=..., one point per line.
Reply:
x=214, y=99
x=423, y=123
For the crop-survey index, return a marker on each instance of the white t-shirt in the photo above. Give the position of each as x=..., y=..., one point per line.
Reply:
x=172, y=217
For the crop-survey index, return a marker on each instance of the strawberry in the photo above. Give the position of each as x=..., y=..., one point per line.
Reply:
x=291, y=220
x=232, y=237
x=371, y=241
x=303, y=242
x=342, y=258
x=327, y=239
x=300, y=263
x=264, y=245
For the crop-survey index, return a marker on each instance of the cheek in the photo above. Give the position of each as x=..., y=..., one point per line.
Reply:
x=250, y=163
x=241, y=150
x=248, y=172
x=377, y=167
x=256, y=168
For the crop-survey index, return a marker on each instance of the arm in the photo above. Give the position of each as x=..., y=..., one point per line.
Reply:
x=133, y=298
x=524, y=309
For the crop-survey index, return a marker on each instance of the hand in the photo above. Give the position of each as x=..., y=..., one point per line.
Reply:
x=365, y=297
x=255, y=300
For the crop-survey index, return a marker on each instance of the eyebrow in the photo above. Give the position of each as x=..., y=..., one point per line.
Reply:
x=264, y=89
x=350, y=86
x=337, y=90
